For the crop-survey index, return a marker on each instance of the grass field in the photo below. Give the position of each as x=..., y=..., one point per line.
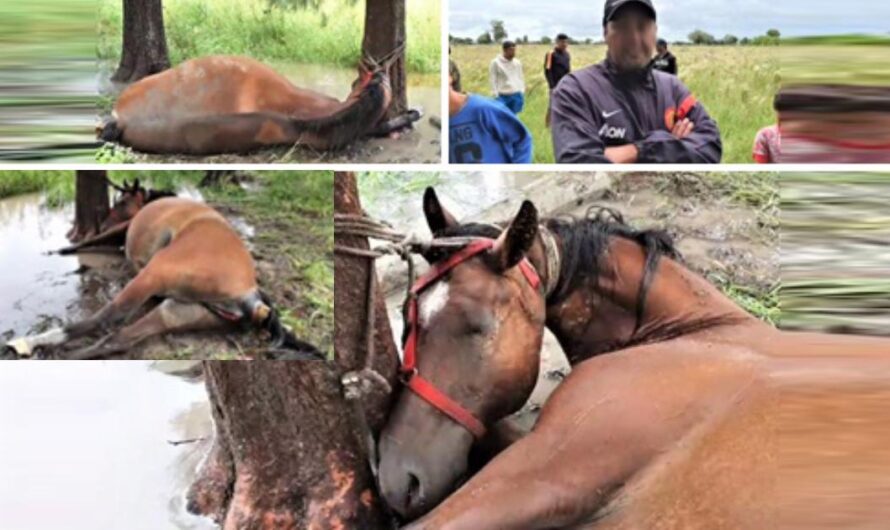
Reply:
x=331, y=34
x=735, y=83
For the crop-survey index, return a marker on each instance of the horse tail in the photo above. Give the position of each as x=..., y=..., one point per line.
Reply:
x=262, y=313
x=110, y=132
x=352, y=122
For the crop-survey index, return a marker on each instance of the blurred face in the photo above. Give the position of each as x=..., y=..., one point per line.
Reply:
x=562, y=44
x=661, y=48
x=631, y=37
x=510, y=52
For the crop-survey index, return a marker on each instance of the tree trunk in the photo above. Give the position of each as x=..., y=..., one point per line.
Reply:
x=145, y=43
x=384, y=32
x=285, y=454
x=351, y=277
x=90, y=204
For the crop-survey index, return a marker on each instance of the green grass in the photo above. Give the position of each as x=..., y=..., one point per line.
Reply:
x=833, y=63
x=763, y=305
x=736, y=84
x=57, y=185
x=329, y=35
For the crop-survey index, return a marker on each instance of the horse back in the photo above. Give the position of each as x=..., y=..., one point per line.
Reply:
x=216, y=85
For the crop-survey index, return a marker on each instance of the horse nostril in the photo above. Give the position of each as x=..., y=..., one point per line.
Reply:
x=413, y=496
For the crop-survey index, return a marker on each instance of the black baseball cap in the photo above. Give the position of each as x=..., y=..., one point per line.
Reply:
x=612, y=7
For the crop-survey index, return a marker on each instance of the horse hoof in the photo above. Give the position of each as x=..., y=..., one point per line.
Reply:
x=19, y=347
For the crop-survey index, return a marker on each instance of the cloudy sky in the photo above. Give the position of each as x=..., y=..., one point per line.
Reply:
x=676, y=18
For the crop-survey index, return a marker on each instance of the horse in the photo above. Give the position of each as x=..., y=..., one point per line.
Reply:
x=188, y=255
x=228, y=104
x=678, y=412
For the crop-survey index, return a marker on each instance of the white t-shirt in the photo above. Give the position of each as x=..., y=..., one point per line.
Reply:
x=506, y=76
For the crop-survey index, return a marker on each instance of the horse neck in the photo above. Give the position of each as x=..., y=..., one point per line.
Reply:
x=600, y=314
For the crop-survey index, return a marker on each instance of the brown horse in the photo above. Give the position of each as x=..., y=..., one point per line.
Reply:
x=187, y=254
x=700, y=417
x=223, y=104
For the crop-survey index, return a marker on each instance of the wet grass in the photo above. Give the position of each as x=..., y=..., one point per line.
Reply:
x=736, y=84
x=57, y=185
x=330, y=34
x=292, y=214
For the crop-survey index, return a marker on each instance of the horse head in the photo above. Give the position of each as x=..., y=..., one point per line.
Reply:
x=130, y=199
x=472, y=352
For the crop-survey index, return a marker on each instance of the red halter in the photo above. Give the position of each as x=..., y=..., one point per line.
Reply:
x=414, y=381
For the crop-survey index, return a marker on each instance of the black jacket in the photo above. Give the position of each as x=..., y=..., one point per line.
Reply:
x=666, y=63
x=599, y=107
x=556, y=65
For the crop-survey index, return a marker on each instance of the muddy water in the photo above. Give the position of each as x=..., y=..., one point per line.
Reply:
x=34, y=285
x=86, y=446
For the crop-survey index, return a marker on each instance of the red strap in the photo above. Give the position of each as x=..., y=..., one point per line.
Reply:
x=420, y=386
x=686, y=106
x=429, y=393
x=440, y=269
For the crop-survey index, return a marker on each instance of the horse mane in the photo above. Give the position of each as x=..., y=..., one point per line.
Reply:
x=584, y=243
x=152, y=195
x=350, y=123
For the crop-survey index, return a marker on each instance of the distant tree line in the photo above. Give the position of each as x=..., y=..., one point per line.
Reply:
x=498, y=33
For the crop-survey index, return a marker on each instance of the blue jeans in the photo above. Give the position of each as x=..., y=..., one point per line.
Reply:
x=514, y=102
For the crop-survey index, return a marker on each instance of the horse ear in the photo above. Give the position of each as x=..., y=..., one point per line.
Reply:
x=136, y=185
x=513, y=243
x=437, y=217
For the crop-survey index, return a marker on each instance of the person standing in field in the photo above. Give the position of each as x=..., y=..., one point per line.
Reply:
x=557, y=63
x=664, y=60
x=482, y=131
x=507, y=79
x=624, y=111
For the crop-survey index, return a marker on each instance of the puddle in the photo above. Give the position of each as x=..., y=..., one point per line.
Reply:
x=91, y=439
x=36, y=285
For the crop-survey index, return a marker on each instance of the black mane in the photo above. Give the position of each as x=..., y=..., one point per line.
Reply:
x=351, y=123
x=584, y=243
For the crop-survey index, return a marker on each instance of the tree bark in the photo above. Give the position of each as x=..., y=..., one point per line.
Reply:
x=351, y=278
x=90, y=204
x=285, y=455
x=384, y=32
x=144, y=43
x=288, y=453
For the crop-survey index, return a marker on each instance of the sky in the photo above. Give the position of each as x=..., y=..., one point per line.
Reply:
x=676, y=18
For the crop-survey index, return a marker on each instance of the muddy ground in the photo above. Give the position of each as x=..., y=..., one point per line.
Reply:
x=293, y=258
x=725, y=226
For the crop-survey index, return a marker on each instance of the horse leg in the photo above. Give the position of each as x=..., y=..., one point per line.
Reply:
x=521, y=489
x=169, y=317
x=402, y=121
x=146, y=284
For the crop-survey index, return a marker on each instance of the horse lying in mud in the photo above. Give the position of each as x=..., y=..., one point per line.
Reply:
x=223, y=104
x=187, y=254
x=700, y=416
